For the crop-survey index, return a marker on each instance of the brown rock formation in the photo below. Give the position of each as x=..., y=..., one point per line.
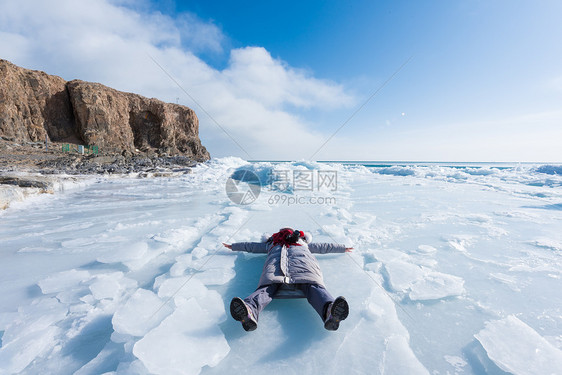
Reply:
x=34, y=105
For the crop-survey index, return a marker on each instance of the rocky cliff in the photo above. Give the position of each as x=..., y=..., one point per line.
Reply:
x=35, y=106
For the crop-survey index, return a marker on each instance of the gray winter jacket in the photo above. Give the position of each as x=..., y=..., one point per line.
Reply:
x=290, y=265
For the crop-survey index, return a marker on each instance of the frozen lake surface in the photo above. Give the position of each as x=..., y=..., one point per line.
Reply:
x=455, y=270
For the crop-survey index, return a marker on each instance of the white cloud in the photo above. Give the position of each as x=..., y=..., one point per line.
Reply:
x=253, y=73
x=198, y=35
x=253, y=99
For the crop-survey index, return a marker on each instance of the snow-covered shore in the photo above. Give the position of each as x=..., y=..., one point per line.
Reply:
x=29, y=169
x=17, y=187
x=455, y=270
x=23, y=187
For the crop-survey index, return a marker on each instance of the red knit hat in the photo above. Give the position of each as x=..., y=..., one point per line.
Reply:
x=284, y=237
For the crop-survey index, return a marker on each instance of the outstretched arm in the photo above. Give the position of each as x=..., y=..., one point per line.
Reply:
x=250, y=247
x=325, y=248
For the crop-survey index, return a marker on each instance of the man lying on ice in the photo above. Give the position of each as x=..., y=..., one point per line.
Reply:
x=290, y=261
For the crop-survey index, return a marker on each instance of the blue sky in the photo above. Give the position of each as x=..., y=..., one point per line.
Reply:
x=484, y=82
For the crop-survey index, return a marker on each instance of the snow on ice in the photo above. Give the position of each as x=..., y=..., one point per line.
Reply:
x=455, y=270
x=517, y=348
x=184, y=342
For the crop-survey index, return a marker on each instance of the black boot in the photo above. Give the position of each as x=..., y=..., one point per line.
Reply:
x=240, y=311
x=335, y=313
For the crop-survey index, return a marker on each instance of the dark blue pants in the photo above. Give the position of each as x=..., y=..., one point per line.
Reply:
x=316, y=295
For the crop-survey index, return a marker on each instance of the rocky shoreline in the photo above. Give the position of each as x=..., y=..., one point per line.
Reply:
x=118, y=164
x=38, y=107
x=32, y=168
x=55, y=132
x=36, y=157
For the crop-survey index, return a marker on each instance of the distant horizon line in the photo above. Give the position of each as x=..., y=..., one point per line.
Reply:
x=401, y=161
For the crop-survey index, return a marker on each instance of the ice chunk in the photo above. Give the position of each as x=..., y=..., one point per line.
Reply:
x=73, y=295
x=199, y=252
x=182, y=262
x=420, y=282
x=111, y=285
x=183, y=343
x=397, y=171
x=31, y=334
x=63, y=281
x=215, y=276
x=134, y=256
x=20, y=352
x=142, y=312
x=461, y=242
x=345, y=215
x=182, y=289
x=426, y=249
x=400, y=359
x=457, y=362
x=388, y=351
x=185, y=287
x=515, y=347
x=183, y=237
x=402, y=274
x=549, y=169
x=213, y=304
x=436, y=285
x=387, y=255
x=212, y=270
x=36, y=317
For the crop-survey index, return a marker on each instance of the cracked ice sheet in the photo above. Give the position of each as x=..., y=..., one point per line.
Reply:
x=287, y=328
x=420, y=283
x=62, y=281
x=31, y=334
x=134, y=256
x=436, y=285
x=143, y=311
x=111, y=285
x=183, y=343
x=515, y=347
x=292, y=340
